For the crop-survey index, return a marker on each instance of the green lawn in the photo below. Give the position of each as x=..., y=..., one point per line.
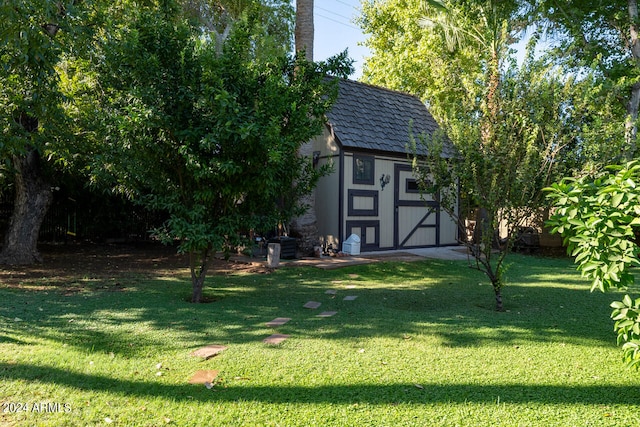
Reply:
x=420, y=346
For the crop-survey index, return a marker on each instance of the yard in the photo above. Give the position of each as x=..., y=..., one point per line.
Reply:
x=108, y=339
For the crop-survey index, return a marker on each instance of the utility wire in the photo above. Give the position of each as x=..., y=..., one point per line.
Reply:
x=334, y=13
x=345, y=3
x=337, y=22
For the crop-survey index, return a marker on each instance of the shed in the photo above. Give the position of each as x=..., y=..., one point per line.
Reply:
x=372, y=191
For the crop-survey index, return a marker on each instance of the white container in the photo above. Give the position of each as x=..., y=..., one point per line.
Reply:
x=351, y=246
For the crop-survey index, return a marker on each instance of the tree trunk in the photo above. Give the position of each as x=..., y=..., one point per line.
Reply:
x=304, y=27
x=32, y=200
x=495, y=276
x=631, y=128
x=497, y=288
x=306, y=226
x=199, y=264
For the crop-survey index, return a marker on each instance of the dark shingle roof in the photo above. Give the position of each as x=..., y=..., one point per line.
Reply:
x=374, y=118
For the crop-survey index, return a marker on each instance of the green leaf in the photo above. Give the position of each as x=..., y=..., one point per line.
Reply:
x=617, y=304
x=617, y=199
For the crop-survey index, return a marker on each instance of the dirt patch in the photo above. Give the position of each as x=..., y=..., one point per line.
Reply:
x=72, y=266
x=68, y=264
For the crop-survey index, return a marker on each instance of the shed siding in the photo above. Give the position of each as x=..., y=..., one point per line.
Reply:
x=369, y=209
x=384, y=214
x=327, y=190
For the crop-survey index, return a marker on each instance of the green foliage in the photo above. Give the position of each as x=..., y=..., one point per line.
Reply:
x=595, y=40
x=458, y=59
x=578, y=112
x=626, y=313
x=441, y=54
x=406, y=57
x=39, y=137
x=217, y=17
x=598, y=218
x=209, y=136
x=36, y=37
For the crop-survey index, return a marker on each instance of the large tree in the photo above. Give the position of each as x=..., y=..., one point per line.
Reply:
x=601, y=38
x=210, y=135
x=216, y=18
x=456, y=55
x=502, y=180
x=37, y=134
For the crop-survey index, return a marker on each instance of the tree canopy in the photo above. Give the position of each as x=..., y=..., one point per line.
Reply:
x=38, y=137
x=501, y=119
x=601, y=38
x=209, y=136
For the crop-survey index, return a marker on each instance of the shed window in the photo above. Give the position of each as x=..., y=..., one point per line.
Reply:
x=412, y=186
x=363, y=169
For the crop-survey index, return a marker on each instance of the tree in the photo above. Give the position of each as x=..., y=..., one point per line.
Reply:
x=602, y=37
x=216, y=143
x=457, y=58
x=217, y=17
x=37, y=133
x=501, y=181
x=598, y=216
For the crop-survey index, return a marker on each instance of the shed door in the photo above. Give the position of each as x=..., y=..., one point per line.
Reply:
x=416, y=221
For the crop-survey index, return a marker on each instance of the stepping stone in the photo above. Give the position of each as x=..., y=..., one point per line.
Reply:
x=350, y=297
x=209, y=351
x=278, y=321
x=331, y=292
x=327, y=314
x=312, y=305
x=203, y=377
x=275, y=339
x=354, y=276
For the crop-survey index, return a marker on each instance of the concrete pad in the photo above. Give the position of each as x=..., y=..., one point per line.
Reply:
x=327, y=314
x=275, y=339
x=203, y=377
x=312, y=305
x=350, y=298
x=209, y=351
x=454, y=253
x=278, y=321
x=331, y=292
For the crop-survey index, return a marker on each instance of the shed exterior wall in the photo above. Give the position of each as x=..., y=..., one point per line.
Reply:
x=387, y=213
x=327, y=204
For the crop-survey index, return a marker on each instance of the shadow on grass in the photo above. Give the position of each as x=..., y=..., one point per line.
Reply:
x=437, y=298
x=337, y=394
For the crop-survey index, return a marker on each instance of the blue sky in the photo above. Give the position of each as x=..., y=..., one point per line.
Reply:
x=335, y=31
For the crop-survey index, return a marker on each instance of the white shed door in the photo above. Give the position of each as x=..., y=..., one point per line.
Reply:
x=416, y=221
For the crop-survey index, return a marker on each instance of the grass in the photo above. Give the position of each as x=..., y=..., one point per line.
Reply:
x=420, y=345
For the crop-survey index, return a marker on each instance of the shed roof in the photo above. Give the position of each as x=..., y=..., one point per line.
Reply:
x=374, y=118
